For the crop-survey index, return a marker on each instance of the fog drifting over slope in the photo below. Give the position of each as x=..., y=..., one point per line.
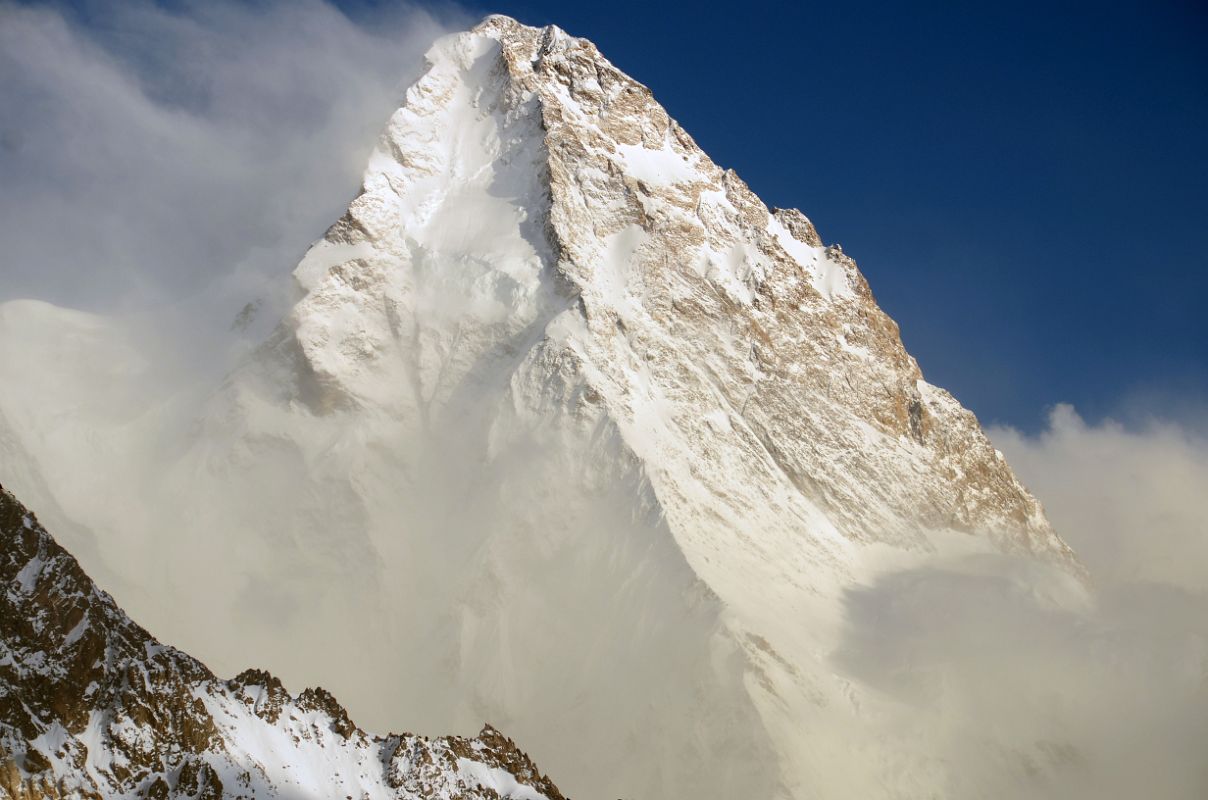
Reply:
x=135, y=177
x=1107, y=700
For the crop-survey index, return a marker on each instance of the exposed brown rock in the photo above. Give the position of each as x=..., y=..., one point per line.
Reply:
x=76, y=663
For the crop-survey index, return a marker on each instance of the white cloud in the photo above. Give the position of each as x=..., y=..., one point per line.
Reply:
x=1009, y=694
x=1132, y=502
x=147, y=154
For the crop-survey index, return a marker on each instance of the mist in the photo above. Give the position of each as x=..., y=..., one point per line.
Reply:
x=1013, y=685
x=1130, y=499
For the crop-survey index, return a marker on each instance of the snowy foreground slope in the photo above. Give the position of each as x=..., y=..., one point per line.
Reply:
x=566, y=430
x=92, y=706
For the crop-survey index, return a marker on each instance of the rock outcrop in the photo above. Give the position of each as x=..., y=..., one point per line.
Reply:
x=92, y=706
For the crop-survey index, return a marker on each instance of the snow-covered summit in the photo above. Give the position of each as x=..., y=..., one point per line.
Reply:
x=529, y=199
x=562, y=341
x=573, y=432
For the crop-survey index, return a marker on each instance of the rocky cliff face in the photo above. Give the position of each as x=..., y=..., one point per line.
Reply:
x=91, y=705
x=571, y=430
x=530, y=199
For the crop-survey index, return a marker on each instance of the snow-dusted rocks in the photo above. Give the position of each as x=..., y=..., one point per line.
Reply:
x=91, y=706
x=566, y=430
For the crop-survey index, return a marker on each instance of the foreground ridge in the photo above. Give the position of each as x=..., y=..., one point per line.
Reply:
x=91, y=705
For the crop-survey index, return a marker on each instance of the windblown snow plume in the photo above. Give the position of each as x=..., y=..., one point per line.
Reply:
x=563, y=428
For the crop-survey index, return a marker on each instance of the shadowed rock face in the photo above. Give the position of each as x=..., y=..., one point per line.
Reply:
x=91, y=705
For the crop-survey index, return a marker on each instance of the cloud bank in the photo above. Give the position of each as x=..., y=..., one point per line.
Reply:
x=1012, y=687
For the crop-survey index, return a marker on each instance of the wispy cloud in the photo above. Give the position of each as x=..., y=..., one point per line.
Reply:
x=1132, y=501
x=147, y=154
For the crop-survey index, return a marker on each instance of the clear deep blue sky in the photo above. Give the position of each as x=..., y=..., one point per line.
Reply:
x=1025, y=185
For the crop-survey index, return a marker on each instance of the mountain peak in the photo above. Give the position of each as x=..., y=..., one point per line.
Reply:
x=547, y=290
x=573, y=431
x=501, y=25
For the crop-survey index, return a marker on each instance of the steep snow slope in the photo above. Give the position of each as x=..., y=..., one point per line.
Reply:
x=574, y=432
x=92, y=706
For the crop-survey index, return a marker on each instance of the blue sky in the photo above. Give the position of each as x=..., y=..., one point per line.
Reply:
x=1025, y=185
